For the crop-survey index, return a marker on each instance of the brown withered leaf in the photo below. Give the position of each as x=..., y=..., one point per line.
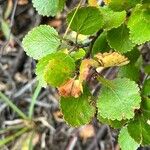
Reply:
x=71, y=88
x=111, y=59
x=85, y=66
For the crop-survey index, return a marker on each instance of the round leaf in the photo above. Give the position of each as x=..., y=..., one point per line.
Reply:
x=119, y=102
x=139, y=25
x=112, y=19
x=78, y=111
x=119, y=40
x=48, y=7
x=87, y=20
x=59, y=69
x=41, y=41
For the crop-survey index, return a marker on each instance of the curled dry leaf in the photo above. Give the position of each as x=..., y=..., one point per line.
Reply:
x=111, y=59
x=85, y=66
x=71, y=88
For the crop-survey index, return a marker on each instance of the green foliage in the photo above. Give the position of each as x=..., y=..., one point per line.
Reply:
x=123, y=99
x=60, y=68
x=87, y=20
x=129, y=71
x=78, y=111
x=119, y=27
x=112, y=19
x=101, y=44
x=41, y=41
x=119, y=39
x=48, y=7
x=126, y=142
x=112, y=123
x=146, y=88
x=119, y=5
x=141, y=124
x=139, y=25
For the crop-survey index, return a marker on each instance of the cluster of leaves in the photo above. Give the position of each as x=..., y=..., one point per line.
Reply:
x=116, y=30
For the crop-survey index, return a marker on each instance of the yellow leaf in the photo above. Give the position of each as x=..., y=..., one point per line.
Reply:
x=111, y=59
x=93, y=3
x=107, y=1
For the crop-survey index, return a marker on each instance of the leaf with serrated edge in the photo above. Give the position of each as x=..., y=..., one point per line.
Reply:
x=118, y=39
x=59, y=69
x=41, y=41
x=139, y=25
x=88, y=20
x=78, y=111
x=113, y=123
x=120, y=102
x=64, y=61
x=112, y=19
x=126, y=142
x=48, y=7
x=139, y=127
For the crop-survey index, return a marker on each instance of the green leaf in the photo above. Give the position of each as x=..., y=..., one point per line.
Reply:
x=147, y=69
x=119, y=102
x=76, y=55
x=139, y=25
x=139, y=127
x=88, y=20
x=119, y=40
x=119, y=5
x=48, y=7
x=41, y=41
x=101, y=44
x=129, y=71
x=113, y=123
x=126, y=142
x=60, y=68
x=112, y=19
x=146, y=88
x=78, y=111
x=133, y=55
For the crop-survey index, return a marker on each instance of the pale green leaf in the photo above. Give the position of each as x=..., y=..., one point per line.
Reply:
x=118, y=39
x=126, y=142
x=139, y=127
x=139, y=25
x=78, y=111
x=48, y=7
x=59, y=69
x=41, y=41
x=87, y=20
x=119, y=102
x=112, y=19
